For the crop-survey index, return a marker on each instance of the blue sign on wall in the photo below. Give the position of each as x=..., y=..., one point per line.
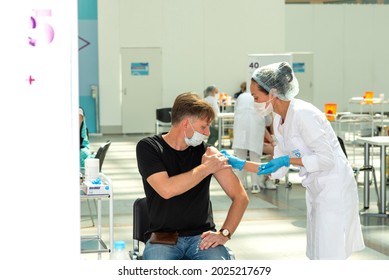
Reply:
x=139, y=68
x=299, y=67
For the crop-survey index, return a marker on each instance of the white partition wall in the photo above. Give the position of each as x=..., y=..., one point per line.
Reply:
x=39, y=139
x=258, y=60
x=302, y=64
x=350, y=46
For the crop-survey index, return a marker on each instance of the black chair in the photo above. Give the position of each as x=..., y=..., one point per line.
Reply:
x=141, y=223
x=358, y=169
x=102, y=152
x=341, y=143
x=163, y=118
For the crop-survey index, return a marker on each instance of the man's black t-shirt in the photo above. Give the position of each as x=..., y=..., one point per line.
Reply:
x=189, y=213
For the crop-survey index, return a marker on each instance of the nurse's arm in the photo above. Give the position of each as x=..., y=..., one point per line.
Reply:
x=296, y=161
x=252, y=166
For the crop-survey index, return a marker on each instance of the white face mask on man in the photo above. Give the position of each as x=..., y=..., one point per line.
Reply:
x=196, y=139
x=261, y=109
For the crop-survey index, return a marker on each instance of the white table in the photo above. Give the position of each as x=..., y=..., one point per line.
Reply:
x=382, y=142
x=222, y=118
x=94, y=243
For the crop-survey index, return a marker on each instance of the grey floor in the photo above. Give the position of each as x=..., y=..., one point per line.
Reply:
x=273, y=227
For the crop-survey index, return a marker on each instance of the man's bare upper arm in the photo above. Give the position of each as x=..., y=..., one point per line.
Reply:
x=227, y=179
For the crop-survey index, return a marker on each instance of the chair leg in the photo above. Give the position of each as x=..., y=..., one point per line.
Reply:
x=374, y=180
x=375, y=186
x=288, y=184
x=356, y=173
x=135, y=254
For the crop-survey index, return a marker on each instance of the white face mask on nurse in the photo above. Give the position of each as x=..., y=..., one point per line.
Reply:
x=262, y=105
x=261, y=108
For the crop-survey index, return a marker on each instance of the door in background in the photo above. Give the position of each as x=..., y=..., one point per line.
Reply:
x=141, y=84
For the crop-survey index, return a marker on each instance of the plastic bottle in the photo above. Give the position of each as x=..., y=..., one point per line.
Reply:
x=119, y=251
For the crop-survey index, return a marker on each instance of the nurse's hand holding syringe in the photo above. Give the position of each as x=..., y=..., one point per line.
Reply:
x=273, y=165
x=255, y=167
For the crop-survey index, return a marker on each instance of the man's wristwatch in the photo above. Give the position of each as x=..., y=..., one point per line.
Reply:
x=225, y=232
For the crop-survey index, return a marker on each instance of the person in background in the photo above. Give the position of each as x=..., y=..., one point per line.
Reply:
x=84, y=140
x=305, y=138
x=243, y=88
x=249, y=135
x=209, y=95
x=176, y=169
x=268, y=144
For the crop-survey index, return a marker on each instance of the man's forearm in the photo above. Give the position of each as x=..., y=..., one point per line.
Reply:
x=179, y=184
x=235, y=214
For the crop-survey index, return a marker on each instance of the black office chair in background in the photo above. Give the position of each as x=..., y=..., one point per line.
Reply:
x=358, y=169
x=102, y=152
x=163, y=118
x=140, y=224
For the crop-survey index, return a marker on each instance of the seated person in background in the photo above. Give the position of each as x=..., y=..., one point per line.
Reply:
x=84, y=140
x=176, y=169
x=269, y=143
x=242, y=90
x=249, y=134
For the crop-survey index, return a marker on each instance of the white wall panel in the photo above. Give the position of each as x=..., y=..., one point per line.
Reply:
x=349, y=43
x=202, y=42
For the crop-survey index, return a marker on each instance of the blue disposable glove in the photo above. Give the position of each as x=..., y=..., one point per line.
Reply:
x=235, y=162
x=273, y=165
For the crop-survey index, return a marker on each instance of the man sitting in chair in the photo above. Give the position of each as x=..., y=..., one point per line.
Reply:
x=176, y=169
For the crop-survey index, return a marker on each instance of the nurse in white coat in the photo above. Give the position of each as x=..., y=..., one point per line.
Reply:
x=306, y=139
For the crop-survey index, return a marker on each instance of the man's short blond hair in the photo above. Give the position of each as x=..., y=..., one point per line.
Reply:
x=190, y=104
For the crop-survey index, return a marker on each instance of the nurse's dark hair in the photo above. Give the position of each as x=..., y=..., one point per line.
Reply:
x=285, y=72
x=190, y=104
x=260, y=88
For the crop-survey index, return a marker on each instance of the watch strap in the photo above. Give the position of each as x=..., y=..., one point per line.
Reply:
x=228, y=235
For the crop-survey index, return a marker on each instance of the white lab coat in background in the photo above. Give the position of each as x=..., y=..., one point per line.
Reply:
x=333, y=225
x=249, y=127
x=213, y=102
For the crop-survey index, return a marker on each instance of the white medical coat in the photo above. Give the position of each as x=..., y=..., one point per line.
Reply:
x=333, y=225
x=249, y=127
x=213, y=102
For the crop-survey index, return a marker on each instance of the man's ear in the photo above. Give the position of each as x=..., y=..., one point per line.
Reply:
x=185, y=123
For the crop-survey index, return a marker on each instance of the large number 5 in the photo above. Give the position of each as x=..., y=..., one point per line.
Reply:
x=42, y=33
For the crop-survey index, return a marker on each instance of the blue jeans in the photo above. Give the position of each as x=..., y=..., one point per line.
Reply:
x=187, y=248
